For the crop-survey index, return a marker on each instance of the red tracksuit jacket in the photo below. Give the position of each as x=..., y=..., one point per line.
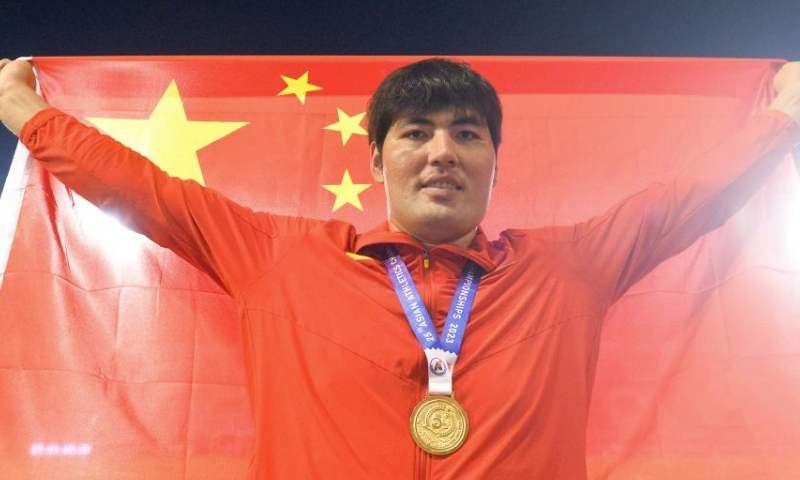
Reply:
x=333, y=368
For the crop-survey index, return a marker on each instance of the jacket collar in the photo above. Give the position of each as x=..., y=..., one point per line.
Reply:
x=480, y=251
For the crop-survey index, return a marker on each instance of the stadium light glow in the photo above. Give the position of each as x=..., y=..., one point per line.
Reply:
x=118, y=242
x=60, y=449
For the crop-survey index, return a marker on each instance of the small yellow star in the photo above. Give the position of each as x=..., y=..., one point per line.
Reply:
x=167, y=138
x=298, y=86
x=347, y=192
x=348, y=125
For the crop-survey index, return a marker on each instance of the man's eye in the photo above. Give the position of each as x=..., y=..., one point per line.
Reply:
x=415, y=134
x=467, y=135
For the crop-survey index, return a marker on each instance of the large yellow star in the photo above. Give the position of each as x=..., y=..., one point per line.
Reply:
x=167, y=138
x=348, y=125
x=347, y=192
x=298, y=86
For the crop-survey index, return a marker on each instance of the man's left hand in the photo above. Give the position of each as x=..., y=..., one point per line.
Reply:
x=787, y=85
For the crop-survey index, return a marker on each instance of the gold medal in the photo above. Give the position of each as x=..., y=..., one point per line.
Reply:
x=439, y=425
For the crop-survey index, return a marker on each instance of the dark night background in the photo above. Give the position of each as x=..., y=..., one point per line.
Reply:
x=698, y=28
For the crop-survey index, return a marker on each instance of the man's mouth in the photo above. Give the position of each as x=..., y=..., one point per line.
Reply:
x=442, y=185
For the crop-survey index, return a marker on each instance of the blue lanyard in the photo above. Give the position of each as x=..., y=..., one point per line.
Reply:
x=441, y=353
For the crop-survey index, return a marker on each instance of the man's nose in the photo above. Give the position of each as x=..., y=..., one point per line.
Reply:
x=442, y=149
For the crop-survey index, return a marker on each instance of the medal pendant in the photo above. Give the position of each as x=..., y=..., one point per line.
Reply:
x=439, y=425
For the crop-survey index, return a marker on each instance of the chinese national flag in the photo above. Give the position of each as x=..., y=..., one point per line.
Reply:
x=120, y=361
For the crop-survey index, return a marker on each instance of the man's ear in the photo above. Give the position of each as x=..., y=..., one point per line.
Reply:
x=494, y=179
x=376, y=162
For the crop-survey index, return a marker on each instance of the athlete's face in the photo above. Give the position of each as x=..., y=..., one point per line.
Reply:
x=438, y=170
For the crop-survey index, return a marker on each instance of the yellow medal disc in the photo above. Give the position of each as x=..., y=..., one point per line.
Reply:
x=439, y=425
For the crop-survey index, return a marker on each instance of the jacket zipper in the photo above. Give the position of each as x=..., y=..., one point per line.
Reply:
x=428, y=297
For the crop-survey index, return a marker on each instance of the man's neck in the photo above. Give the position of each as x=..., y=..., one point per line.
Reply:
x=464, y=241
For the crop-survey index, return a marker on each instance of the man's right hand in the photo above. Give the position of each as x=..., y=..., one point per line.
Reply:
x=18, y=100
x=15, y=73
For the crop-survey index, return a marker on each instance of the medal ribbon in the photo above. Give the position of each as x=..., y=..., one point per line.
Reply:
x=441, y=354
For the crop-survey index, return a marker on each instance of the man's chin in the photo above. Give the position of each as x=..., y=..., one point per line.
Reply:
x=438, y=218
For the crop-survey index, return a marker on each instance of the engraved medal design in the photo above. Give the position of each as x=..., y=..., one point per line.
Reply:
x=439, y=425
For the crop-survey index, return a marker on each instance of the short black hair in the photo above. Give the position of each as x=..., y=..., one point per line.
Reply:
x=429, y=86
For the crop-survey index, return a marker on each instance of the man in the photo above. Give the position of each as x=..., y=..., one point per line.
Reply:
x=334, y=370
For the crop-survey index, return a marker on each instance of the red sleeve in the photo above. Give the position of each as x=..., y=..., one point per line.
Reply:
x=615, y=250
x=229, y=242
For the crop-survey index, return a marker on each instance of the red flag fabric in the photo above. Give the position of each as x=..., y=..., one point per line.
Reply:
x=119, y=360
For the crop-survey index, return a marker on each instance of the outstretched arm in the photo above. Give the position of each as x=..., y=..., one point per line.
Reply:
x=618, y=248
x=227, y=241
